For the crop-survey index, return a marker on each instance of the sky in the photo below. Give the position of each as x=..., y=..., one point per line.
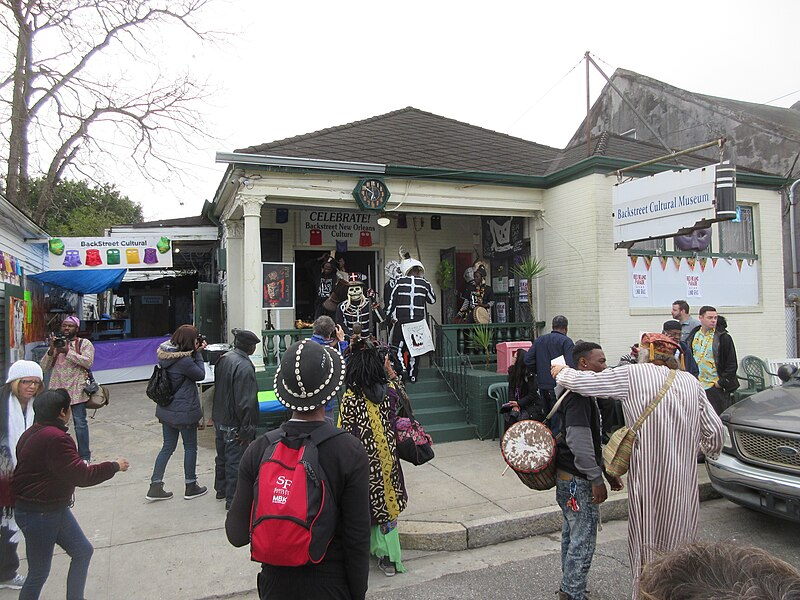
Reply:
x=281, y=69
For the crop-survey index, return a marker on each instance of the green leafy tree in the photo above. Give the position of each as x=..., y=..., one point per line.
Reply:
x=82, y=210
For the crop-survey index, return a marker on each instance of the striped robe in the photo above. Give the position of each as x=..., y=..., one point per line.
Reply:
x=662, y=479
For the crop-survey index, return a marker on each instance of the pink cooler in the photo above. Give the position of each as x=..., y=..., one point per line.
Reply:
x=506, y=352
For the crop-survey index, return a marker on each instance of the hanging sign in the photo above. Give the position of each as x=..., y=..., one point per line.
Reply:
x=693, y=286
x=502, y=236
x=640, y=285
x=278, y=285
x=345, y=229
x=86, y=254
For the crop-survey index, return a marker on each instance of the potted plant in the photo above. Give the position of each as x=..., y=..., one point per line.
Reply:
x=481, y=339
x=445, y=275
x=530, y=269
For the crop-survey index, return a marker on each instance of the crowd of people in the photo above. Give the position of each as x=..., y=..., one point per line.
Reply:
x=688, y=372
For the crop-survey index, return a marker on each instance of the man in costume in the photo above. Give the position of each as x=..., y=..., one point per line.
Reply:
x=407, y=305
x=579, y=485
x=358, y=308
x=662, y=480
x=307, y=379
x=476, y=294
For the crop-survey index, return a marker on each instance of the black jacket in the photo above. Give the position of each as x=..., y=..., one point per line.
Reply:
x=725, y=360
x=344, y=571
x=236, y=393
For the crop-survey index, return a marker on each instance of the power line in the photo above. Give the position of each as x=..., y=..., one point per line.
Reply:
x=527, y=110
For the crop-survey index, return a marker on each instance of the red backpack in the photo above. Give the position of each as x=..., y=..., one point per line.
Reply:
x=294, y=512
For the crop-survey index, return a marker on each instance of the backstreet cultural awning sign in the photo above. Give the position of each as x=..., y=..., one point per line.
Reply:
x=135, y=252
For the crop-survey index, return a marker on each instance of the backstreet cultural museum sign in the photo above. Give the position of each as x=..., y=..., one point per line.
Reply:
x=502, y=236
x=339, y=229
x=82, y=254
x=672, y=203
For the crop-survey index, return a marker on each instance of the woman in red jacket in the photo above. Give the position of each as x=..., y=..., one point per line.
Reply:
x=48, y=470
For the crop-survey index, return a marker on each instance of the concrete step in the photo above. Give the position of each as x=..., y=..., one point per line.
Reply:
x=423, y=386
x=433, y=400
x=451, y=432
x=440, y=415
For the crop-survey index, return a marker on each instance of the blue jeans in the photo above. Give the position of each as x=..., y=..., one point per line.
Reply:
x=226, y=463
x=43, y=530
x=189, y=435
x=9, y=561
x=81, y=430
x=578, y=535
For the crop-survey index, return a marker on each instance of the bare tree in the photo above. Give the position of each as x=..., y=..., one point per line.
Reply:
x=58, y=96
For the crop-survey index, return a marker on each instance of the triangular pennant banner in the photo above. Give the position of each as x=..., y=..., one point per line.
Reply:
x=714, y=262
x=647, y=261
x=691, y=262
x=634, y=260
x=739, y=262
x=664, y=260
x=677, y=260
x=703, y=262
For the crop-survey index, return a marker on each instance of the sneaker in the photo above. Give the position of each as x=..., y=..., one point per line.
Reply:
x=157, y=492
x=387, y=566
x=194, y=491
x=15, y=583
x=220, y=495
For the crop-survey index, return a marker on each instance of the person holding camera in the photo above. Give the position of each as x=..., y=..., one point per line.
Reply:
x=235, y=411
x=182, y=361
x=68, y=359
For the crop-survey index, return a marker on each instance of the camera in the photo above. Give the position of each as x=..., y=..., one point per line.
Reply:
x=201, y=338
x=59, y=341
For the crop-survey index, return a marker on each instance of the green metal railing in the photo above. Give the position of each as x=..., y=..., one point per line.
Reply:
x=274, y=342
x=452, y=365
x=459, y=336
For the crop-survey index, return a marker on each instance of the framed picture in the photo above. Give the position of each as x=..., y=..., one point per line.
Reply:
x=278, y=285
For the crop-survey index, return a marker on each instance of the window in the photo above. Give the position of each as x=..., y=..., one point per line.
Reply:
x=737, y=236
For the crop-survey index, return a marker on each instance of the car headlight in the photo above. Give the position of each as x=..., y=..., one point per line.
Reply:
x=727, y=442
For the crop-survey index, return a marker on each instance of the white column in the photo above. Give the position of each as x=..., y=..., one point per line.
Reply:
x=234, y=304
x=251, y=285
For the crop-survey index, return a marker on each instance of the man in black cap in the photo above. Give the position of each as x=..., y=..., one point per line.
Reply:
x=307, y=379
x=235, y=411
x=673, y=329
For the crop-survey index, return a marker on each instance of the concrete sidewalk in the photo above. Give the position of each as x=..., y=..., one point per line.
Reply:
x=178, y=549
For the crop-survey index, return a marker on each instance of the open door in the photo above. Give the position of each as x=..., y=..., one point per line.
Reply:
x=208, y=311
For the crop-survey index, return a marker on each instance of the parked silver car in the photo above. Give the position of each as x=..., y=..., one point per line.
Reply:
x=760, y=463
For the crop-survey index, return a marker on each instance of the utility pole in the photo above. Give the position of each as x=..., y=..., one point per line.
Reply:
x=588, y=109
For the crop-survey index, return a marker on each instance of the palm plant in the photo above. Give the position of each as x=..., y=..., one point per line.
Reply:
x=481, y=339
x=529, y=269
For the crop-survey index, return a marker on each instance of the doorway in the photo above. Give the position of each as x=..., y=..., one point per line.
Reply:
x=307, y=265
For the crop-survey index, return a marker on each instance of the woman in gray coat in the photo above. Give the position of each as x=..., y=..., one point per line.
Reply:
x=182, y=361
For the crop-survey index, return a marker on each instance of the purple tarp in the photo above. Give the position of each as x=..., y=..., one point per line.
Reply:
x=116, y=354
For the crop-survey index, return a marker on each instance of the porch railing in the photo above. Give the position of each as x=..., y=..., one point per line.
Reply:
x=460, y=341
x=274, y=342
x=452, y=365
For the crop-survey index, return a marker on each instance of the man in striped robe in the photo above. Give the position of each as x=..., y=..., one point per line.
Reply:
x=662, y=479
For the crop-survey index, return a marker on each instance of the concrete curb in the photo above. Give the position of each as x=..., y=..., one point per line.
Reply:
x=450, y=537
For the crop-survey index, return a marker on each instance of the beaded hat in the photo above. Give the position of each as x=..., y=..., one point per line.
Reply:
x=309, y=375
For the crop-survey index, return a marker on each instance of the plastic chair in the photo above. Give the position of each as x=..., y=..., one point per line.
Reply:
x=499, y=392
x=755, y=371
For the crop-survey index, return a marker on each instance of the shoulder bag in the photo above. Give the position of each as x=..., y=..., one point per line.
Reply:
x=98, y=395
x=413, y=444
x=617, y=452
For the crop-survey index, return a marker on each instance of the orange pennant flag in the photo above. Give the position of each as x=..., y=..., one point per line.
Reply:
x=677, y=260
x=664, y=260
x=714, y=262
x=703, y=262
x=691, y=262
x=647, y=261
x=634, y=260
x=739, y=262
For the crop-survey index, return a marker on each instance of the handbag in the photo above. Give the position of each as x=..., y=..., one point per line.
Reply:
x=98, y=395
x=617, y=452
x=413, y=444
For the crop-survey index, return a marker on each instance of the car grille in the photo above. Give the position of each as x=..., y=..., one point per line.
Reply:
x=762, y=448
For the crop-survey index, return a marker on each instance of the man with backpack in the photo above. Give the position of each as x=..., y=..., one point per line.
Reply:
x=305, y=487
x=235, y=411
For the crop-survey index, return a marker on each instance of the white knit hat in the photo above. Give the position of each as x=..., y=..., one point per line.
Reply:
x=24, y=368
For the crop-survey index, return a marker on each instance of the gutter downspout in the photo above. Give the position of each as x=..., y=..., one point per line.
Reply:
x=792, y=235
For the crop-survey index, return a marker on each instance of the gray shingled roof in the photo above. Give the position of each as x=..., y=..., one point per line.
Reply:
x=415, y=138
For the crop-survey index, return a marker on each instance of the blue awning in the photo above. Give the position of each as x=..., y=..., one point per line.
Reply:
x=83, y=282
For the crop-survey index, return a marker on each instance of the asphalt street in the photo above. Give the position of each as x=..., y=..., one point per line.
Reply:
x=530, y=569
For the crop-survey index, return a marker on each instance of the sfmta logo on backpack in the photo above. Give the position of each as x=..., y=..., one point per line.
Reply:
x=294, y=512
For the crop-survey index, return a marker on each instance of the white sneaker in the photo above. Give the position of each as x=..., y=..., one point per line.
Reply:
x=14, y=583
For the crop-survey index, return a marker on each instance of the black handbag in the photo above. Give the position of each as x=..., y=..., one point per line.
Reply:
x=98, y=395
x=413, y=444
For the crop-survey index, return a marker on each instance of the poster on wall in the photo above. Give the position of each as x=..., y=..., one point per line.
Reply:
x=278, y=285
x=339, y=229
x=502, y=236
x=640, y=285
x=86, y=254
x=502, y=314
x=523, y=290
x=693, y=287
x=10, y=269
x=17, y=316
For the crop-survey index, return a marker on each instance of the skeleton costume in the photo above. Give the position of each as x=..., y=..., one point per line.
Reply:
x=358, y=308
x=407, y=304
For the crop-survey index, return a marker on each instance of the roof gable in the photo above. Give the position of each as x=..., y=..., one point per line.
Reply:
x=412, y=137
